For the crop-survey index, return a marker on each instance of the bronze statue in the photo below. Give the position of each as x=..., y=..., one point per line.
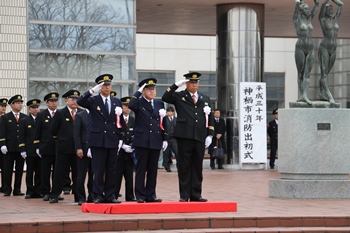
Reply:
x=328, y=46
x=304, y=48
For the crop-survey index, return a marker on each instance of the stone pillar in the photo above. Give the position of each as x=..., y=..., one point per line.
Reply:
x=240, y=33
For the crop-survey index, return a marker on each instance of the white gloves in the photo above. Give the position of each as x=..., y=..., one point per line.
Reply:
x=181, y=82
x=208, y=141
x=4, y=150
x=127, y=148
x=120, y=144
x=89, y=154
x=38, y=152
x=142, y=87
x=96, y=88
x=165, y=145
x=24, y=155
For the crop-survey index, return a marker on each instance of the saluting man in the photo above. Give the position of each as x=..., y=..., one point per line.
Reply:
x=9, y=133
x=194, y=131
x=105, y=138
x=28, y=150
x=149, y=139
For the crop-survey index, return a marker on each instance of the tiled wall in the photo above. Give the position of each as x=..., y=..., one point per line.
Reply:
x=13, y=48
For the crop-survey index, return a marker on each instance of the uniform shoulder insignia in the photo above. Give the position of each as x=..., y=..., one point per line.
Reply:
x=211, y=127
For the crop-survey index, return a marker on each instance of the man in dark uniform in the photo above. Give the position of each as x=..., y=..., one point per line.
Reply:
x=105, y=138
x=218, y=140
x=194, y=131
x=62, y=127
x=28, y=150
x=272, y=130
x=81, y=130
x=9, y=133
x=3, y=105
x=149, y=139
x=172, y=143
x=125, y=163
x=45, y=142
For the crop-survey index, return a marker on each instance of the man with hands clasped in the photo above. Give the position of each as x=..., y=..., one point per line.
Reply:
x=149, y=139
x=28, y=150
x=105, y=137
x=194, y=132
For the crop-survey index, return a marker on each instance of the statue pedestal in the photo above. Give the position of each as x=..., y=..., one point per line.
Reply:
x=313, y=154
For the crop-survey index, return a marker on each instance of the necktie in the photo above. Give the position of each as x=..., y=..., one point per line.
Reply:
x=16, y=117
x=151, y=102
x=73, y=115
x=106, y=105
x=194, y=99
x=126, y=121
x=53, y=114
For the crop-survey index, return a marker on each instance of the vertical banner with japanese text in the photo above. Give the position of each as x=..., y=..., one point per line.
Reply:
x=252, y=121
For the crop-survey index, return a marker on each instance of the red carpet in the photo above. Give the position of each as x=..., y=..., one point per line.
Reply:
x=163, y=207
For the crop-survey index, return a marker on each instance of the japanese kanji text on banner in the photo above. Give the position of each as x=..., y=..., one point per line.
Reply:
x=252, y=118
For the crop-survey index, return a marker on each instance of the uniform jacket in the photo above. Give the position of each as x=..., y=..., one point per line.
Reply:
x=81, y=130
x=147, y=132
x=128, y=139
x=103, y=131
x=62, y=127
x=190, y=122
x=26, y=136
x=43, y=138
x=219, y=128
x=9, y=131
x=170, y=126
x=272, y=130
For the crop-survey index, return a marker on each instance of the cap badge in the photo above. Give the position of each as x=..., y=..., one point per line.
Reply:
x=53, y=95
x=4, y=101
x=128, y=100
x=75, y=93
x=105, y=77
x=194, y=76
x=34, y=101
x=150, y=82
x=19, y=97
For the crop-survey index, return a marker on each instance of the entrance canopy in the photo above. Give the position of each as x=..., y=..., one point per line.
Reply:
x=198, y=17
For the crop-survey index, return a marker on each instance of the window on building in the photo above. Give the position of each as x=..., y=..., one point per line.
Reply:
x=275, y=92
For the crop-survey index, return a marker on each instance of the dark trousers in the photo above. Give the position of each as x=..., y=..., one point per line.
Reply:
x=147, y=163
x=47, y=165
x=84, y=166
x=273, y=150
x=172, y=147
x=10, y=159
x=219, y=162
x=190, y=167
x=33, y=176
x=125, y=168
x=2, y=171
x=63, y=164
x=104, y=163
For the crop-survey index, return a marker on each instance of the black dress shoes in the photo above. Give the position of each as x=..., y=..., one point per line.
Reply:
x=183, y=200
x=81, y=202
x=46, y=197
x=53, y=200
x=131, y=200
x=115, y=201
x=98, y=201
x=155, y=200
x=28, y=196
x=221, y=167
x=168, y=170
x=1, y=190
x=201, y=199
x=60, y=198
x=140, y=201
x=18, y=194
x=7, y=194
x=119, y=195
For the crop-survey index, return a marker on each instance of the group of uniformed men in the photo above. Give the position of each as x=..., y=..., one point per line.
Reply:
x=104, y=141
